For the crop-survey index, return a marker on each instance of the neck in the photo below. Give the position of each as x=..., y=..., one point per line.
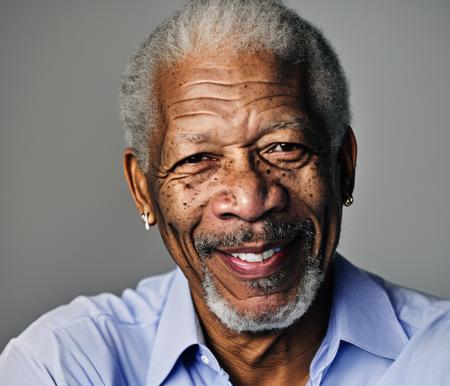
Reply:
x=269, y=358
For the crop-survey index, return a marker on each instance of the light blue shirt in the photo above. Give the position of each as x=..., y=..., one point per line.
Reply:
x=378, y=334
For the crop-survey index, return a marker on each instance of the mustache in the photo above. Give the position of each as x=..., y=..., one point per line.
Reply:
x=273, y=230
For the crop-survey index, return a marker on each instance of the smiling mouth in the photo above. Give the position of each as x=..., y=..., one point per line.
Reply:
x=245, y=254
x=256, y=257
x=253, y=264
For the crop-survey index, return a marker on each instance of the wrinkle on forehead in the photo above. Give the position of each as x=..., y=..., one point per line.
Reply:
x=230, y=84
x=224, y=108
x=224, y=71
x=225, y=83
x=229, y=92
x=253, y=67
x=207, y=136
x=202, y=98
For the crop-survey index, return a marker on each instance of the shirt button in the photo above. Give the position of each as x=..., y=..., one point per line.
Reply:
x=204, y=359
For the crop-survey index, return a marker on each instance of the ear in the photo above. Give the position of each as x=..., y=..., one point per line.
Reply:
x=138, y=185
x=347, y=162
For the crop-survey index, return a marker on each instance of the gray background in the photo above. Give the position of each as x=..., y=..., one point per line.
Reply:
x=67, y=223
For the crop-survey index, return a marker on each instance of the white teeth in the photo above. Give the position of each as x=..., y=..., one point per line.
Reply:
x=256, y=257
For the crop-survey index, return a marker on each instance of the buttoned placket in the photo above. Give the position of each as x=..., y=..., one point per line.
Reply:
x=206, y=357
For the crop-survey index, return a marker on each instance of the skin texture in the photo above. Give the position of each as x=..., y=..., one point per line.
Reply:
x=219, y=163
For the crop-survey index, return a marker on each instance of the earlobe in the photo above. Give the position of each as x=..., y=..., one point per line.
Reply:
x=138, y=186
x=347, y=162
x=150, y=218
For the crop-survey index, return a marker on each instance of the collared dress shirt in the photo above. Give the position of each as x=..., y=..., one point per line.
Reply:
x=378, y=334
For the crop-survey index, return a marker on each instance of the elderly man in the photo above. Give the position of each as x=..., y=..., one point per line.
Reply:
x=240, y=149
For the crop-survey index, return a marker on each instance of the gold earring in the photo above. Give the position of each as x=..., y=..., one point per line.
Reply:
x=348, y=201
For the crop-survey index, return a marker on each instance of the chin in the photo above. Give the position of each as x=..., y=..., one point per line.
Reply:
x=270, y=309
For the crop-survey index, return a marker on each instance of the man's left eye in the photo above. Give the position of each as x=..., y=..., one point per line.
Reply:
x=284, y=146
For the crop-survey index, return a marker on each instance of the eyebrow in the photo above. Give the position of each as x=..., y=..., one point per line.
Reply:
x=193, y=137
x=271, y=127
x=294, y=122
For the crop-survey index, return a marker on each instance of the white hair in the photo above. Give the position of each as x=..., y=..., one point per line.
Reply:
x=310, y=282
x=236, y=26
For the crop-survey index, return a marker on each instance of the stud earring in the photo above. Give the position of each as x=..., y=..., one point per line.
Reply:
x=144, y=218
x=348, y=201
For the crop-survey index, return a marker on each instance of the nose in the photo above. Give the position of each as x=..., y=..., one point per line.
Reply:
x=247, y=195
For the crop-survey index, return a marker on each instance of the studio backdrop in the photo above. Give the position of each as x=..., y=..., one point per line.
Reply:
x=67, y=223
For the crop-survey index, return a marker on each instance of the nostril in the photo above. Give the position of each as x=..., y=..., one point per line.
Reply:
x=248, y=197
x=226, y=216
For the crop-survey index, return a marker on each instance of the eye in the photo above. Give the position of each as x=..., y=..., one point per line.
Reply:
x=195, y=163
x=287, y=154
x=196, y=158
x=284, y=146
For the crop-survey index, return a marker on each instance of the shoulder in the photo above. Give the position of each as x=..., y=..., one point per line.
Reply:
x=416, y=310
x=93, y=334
x=426, y=321
x=134, y=308
x=420, y=321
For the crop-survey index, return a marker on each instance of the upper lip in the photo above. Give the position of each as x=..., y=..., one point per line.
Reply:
x=254, y=248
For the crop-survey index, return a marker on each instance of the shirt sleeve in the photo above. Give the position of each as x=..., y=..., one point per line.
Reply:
x=19, y=366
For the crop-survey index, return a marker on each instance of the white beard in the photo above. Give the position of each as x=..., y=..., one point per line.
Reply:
x=309, y=284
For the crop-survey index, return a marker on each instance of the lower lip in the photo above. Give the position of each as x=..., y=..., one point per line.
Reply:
x=258, y=269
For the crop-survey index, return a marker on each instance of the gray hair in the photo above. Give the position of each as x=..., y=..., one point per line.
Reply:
x=236, y=25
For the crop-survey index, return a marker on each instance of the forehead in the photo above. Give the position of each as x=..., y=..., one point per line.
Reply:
x=227, y=68
x=222, y=89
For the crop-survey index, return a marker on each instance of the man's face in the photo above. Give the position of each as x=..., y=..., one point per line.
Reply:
x=242, y=184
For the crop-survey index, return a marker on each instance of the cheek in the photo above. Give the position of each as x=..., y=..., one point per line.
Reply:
x=181, y=203
x=309, y=187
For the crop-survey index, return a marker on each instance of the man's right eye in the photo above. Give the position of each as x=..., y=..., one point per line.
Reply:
x=196, y=158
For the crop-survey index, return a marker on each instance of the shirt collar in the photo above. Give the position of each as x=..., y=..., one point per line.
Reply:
x=177, y=330
x=362, y=313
